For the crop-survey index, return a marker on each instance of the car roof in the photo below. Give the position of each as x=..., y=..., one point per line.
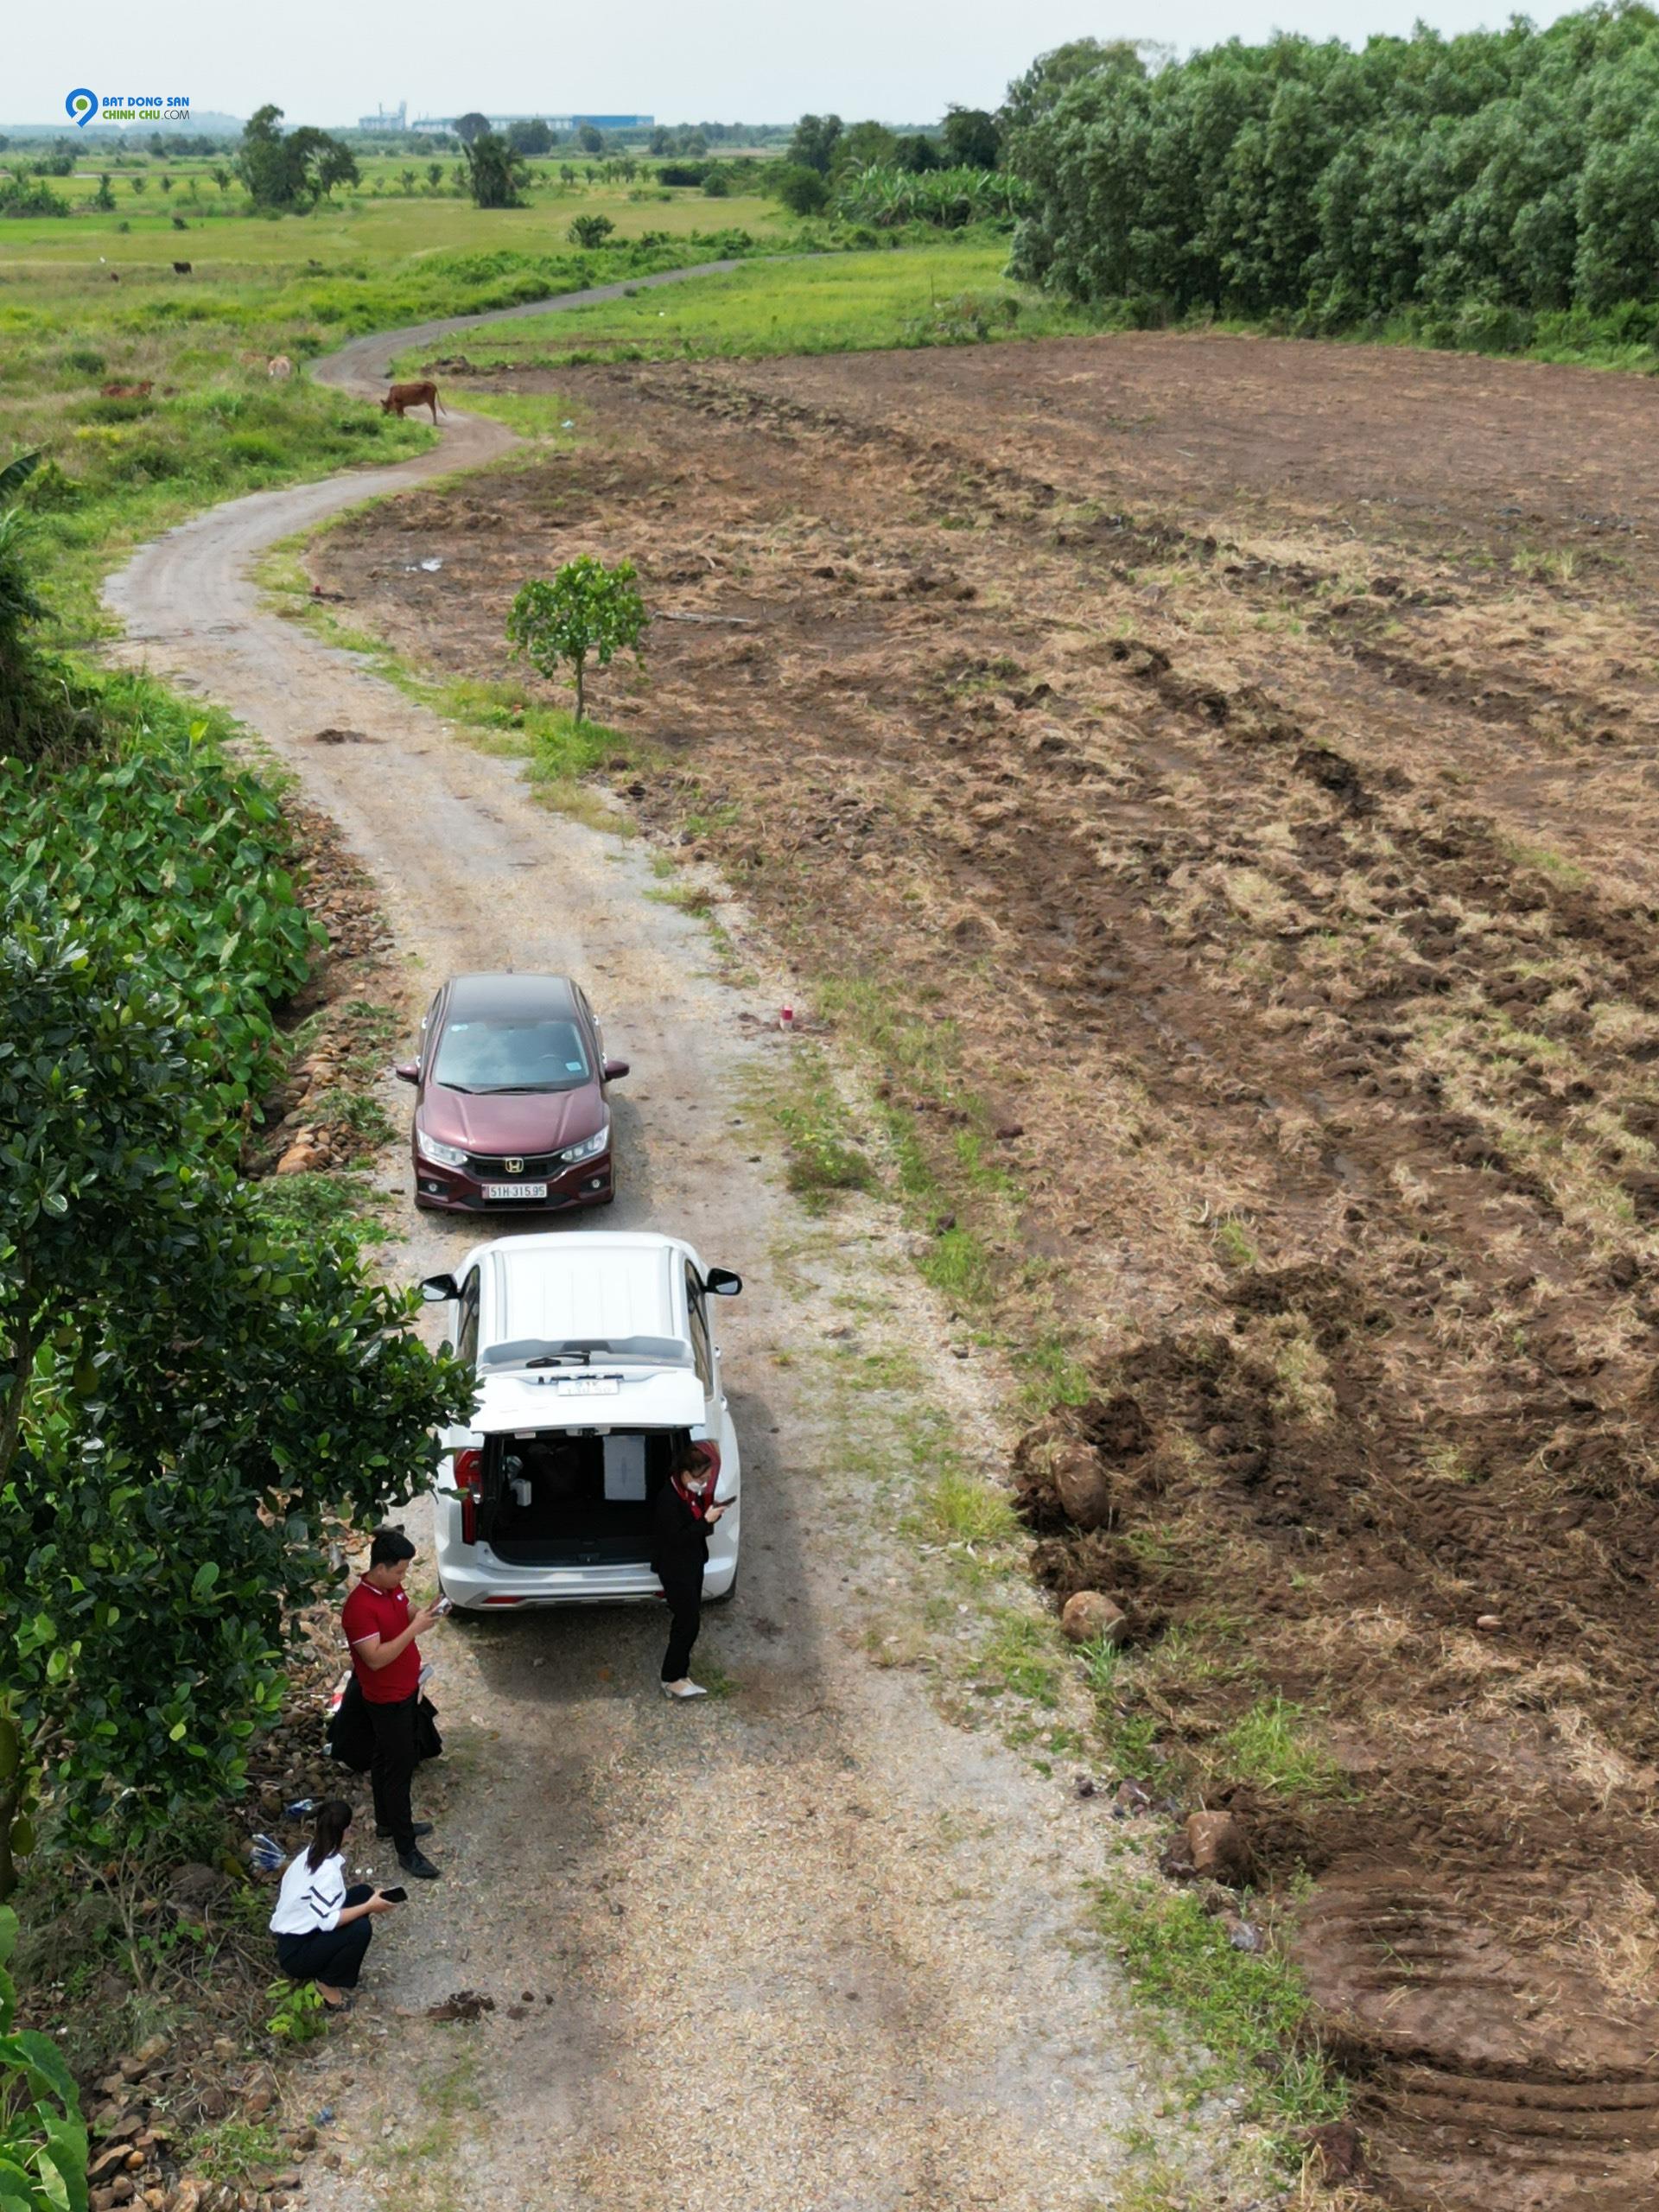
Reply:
x=562, y=1288
x=472, y=995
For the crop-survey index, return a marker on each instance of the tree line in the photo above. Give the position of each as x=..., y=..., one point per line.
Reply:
x=1518, y=167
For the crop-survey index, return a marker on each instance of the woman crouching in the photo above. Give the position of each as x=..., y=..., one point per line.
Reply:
x=323, y=1926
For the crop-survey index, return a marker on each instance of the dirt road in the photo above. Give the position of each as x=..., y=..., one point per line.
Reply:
x=803, y=1946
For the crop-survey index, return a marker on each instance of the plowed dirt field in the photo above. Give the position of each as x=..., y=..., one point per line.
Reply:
x=1245, y=756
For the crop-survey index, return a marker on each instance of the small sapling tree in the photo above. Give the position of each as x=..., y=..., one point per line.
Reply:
x=591, y=231
x=588, y=612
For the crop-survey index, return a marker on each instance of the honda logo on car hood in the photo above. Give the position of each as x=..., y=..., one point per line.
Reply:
x=513, y=1166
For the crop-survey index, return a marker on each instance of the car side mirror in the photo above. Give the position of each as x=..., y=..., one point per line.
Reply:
x=440, y=1290
x=722, y=1282
x=614, y=1070
x=407, y=1071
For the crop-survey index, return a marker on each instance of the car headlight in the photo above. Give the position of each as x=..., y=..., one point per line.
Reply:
x=588, y=1146
x=444, y=1155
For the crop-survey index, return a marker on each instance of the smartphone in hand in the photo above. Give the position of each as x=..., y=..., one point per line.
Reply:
x=444, y=1605
x=399, y=1896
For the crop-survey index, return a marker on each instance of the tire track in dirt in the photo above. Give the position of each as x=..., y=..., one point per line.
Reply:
x=806, y=1944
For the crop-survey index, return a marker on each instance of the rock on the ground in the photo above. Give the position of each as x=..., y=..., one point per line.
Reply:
x=1338, y=2152
x=1217, y=1845
x=1083, y=1486
x=1090, y=1616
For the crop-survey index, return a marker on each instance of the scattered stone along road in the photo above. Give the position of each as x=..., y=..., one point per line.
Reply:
x=806, y=1945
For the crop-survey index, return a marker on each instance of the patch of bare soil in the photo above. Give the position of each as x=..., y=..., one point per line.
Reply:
x=1252, y=750
x=314, y=1121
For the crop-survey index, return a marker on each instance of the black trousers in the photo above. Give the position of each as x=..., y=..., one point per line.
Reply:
x=684, y=1596
x=332, y=1955
x=392, y=1767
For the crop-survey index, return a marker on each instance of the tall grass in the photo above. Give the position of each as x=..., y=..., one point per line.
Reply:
x=931, y=294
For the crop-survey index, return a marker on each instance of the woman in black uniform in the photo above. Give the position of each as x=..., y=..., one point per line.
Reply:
x=686, y=1513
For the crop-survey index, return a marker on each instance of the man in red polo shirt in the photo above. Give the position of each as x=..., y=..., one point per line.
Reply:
x=386, y=1660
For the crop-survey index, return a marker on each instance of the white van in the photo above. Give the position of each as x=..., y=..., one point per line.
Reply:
x=595, y=1361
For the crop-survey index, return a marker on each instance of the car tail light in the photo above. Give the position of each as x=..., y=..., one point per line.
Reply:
x=469, y=1480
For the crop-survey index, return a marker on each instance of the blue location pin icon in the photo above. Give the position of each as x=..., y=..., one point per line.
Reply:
x=81, y=106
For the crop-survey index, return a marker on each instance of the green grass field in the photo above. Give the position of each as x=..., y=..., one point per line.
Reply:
x=123, y=466
x=355, y=230
x=951, y=292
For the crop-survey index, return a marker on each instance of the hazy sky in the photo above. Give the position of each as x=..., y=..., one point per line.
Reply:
x=760, y=61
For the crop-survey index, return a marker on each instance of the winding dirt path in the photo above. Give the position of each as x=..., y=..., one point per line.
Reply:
x=807, y=1945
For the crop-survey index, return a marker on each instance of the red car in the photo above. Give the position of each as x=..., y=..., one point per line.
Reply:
x=511, y=1112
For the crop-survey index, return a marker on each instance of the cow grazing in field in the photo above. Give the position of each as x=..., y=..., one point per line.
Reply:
x=411, y=395
x=281, y=368
x=180, y=268
x=127, y=390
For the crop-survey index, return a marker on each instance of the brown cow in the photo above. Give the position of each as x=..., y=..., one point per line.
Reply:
x=180, y=268
x=281, y=368
x=128, y=390
x=411, y=395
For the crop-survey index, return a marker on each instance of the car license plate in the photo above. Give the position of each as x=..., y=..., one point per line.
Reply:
x=588, y=1386
x=515, y=1189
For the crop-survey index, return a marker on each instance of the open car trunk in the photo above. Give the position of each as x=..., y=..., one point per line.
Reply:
x=565, y=1497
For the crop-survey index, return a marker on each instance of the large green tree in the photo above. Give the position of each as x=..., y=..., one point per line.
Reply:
x=185, y=1401
x=971, y=138
x=496, y=172
x=814, y=143
x=290, y=168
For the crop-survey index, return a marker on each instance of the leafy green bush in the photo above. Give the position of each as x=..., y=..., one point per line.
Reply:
x=42, y=2140
x=186, y=1396
x=41, y=711
x=804, y=191
x=23, y=196
x=298, y=2015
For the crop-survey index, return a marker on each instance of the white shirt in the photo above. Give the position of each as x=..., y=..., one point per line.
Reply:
x=311, y=1896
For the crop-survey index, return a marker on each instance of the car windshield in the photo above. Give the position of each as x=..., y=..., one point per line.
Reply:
x=507, y=1052
x=574, y=1352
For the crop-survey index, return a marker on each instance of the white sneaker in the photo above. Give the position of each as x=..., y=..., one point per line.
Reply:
x=687, y=1688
